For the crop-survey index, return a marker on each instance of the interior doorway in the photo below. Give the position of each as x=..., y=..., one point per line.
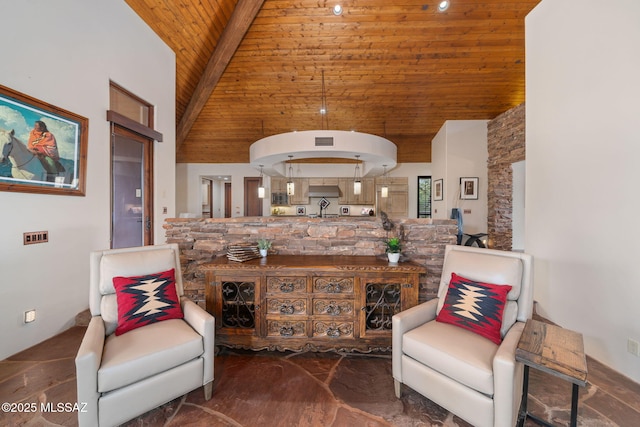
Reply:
x=132, y=139
x=207, y=198
x=131, y=184
x=252, y=203
x=227, y=200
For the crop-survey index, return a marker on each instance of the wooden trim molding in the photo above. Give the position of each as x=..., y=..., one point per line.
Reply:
x=133, y=126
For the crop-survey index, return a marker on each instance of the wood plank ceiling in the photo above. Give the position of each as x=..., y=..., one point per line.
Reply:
x=394, y=68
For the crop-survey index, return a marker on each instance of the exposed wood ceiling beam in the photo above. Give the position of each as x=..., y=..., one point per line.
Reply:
x=238, y=25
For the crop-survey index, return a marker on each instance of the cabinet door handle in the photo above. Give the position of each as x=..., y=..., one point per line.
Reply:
x=287, y=287
x=334, y=288
x=287, y=309
x=334, y=309
x=333, y=332
x=286, y=331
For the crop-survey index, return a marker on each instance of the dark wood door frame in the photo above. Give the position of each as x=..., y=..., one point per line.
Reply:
x=148, y=222
x=252, y=203
x=227, y=200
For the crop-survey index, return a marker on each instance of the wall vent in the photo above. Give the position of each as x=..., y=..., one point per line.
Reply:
x=324, y=141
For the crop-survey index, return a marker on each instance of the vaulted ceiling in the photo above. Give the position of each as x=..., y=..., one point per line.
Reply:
x=247, y=69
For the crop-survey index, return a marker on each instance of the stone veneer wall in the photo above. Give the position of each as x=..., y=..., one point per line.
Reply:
x=201, y=240
x=506, y=145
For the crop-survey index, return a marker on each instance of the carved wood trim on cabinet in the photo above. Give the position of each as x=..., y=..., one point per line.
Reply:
x=309, y=303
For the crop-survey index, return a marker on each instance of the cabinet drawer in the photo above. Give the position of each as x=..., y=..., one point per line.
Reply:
x=333, y=285
x=287, y=306
x=286, y=329
x=287, y=285
x=322, y=329
x=333, y=307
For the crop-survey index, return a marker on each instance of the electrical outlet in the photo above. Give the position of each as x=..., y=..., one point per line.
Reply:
x=32, y=237
x=633, y=347
x=30, y=316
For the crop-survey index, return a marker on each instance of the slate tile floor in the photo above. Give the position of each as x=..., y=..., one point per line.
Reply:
x=309, y=389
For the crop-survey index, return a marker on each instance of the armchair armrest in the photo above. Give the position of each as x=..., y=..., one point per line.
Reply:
x=204, y=324
x=88, y=360
x=505, y=377
x=404, y=322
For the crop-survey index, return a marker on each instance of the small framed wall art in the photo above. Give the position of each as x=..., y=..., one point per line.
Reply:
x=469, y=188
x=301, y=210
x=438, y=190
x=345, y=210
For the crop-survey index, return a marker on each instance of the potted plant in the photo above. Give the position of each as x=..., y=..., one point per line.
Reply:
x=393, y=249
x=264, y=245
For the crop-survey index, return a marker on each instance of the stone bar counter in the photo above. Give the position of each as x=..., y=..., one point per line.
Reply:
x=203, y=239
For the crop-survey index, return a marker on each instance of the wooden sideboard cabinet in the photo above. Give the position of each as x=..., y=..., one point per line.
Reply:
x=309, y=303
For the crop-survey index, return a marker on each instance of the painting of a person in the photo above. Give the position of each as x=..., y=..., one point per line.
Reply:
x=468, y=188
x=43, y=144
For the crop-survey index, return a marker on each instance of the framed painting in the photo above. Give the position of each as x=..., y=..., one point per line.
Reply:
x=301, y=210
x=43, y=148
x=469, y=188
x=345, y=210
x=438, y=190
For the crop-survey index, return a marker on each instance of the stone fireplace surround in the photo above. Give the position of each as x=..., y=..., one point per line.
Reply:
x=201, y=240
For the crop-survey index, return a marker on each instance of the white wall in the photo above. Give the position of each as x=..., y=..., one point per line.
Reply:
x=188, y=177
x=439, y=208
x=582, y=201
x=64, y=53
x=459, y=149
x=518, y=183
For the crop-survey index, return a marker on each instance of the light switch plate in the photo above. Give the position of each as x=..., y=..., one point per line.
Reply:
x=33, y=237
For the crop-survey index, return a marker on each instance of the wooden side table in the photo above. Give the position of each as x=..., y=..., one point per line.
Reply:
x=556, y=351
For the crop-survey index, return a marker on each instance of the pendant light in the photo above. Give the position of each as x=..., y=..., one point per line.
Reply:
x=384, y=191
x=261, y=187
x=357, y=179
x=291, y=188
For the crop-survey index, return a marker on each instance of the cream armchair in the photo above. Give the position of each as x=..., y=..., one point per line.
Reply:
x=122, y=376
x=467, y=374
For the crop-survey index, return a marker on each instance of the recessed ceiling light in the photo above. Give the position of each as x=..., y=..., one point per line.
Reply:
x=443, y=5
x=337, y=10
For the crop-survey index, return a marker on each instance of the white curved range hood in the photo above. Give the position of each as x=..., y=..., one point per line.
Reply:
x=374, y=151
